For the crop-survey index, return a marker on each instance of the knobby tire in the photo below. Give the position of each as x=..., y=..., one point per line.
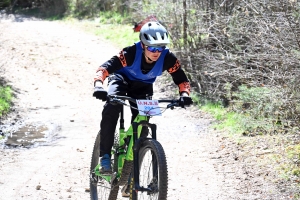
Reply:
x=153, y=172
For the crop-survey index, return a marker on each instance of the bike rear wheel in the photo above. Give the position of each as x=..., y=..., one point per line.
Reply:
x=153, y=172
x=100, y=189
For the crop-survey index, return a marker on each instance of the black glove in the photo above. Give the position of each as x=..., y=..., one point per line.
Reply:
x=185, y=101
x=100, y=93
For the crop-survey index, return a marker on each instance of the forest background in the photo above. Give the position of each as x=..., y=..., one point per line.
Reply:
x=242, y=56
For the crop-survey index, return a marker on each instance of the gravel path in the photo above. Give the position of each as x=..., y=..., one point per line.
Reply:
x=51, y=66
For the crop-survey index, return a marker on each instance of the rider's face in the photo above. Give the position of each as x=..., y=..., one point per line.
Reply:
x=153, y=56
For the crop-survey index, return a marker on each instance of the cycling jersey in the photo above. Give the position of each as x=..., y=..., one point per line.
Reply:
x=135, y=73
x=127, y=57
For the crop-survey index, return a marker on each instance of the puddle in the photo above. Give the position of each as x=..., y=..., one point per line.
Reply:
x=27, y=136
x=30, y=135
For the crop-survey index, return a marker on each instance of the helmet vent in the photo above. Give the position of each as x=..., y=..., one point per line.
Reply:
x=154, y=34
x=146, y=36
x=166, y=36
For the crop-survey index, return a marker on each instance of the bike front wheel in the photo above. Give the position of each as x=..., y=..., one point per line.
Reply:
x=153, y=172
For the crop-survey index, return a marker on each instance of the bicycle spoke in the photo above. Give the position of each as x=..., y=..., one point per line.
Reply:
x=151, y=158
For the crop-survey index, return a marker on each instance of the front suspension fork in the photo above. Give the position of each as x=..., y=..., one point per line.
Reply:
x=137, y=145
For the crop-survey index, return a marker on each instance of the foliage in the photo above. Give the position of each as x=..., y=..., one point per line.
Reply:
x=5, y=99
x=119, y=34
x=91, y=8
x=232, y=122
x=253, y=44
x=4, y=3
x=250, y=120
x=226, y=120
x=293, y=152
x=109, y=17
x=290, y=160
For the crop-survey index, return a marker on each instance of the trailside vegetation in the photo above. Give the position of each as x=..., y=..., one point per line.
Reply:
x=5, y=99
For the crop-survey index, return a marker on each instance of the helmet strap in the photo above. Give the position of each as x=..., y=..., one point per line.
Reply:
x=149, y=59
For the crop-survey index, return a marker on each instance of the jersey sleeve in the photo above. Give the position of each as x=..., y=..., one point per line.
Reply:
x=173, y=67
x=124, y=58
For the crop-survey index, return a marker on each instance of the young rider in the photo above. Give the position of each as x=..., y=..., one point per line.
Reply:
x=133, y=73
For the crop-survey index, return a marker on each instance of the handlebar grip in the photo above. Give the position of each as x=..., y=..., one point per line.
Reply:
x=115, y=101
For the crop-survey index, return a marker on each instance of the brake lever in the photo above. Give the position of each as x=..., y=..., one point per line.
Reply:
x=172, y=105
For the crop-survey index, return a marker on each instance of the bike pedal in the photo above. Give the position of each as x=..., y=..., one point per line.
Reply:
x=93, y=178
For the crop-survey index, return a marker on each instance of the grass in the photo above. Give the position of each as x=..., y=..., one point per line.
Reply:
x=284, y=149
x=229, y=121
x=109, y=27
x=117, y=34
x=292, y=152
x=120, y=35
x=5, y=99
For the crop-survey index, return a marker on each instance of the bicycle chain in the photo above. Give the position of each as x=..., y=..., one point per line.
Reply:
x=125, y=172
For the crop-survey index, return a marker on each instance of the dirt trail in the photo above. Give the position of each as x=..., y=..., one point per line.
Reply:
x=51, y=66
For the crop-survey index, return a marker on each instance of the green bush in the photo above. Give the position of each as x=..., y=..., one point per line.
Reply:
x=4, y=3
x=110, y=18
x=261, y=106
x=257, y=101
x=5, y=99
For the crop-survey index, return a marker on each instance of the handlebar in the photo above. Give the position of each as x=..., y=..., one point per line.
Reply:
x=117, y=99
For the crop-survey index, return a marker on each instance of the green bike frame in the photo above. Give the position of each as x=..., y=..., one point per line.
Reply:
x=133, y=132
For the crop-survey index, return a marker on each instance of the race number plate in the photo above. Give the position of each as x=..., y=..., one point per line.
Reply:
x=148, y=107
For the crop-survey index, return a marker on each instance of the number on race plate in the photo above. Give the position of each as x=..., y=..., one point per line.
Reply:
x=148, y=107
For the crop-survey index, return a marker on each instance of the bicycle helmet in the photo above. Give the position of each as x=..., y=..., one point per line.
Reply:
x=154, y=34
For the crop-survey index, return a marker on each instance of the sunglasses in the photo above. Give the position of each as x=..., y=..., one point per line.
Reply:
x=154, y=49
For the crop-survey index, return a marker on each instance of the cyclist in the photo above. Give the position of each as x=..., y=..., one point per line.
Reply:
x=133, y=73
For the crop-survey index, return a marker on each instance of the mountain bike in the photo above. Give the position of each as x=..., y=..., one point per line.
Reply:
x=138, y=160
